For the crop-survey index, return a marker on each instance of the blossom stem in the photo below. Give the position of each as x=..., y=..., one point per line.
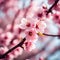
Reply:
x=44, y=34
x=51, y=35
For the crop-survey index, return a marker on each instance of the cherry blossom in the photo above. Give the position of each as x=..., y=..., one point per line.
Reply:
x=29, y=46
x=51, y=1
x=40, y=26
x=56, y=17
x=31, y=34
x=3, y=50
x=27, y=28
x=57, y=7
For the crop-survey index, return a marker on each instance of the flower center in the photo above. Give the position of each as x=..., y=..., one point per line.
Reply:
x=57, y=17
x=28, y=25
x=30, y=33
x=40, y=15
x=37, y=27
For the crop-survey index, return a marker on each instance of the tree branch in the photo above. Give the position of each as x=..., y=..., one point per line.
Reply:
x=18, y=45
x=50, y=9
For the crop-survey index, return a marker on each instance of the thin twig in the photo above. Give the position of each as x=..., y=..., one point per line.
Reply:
x=51, y=35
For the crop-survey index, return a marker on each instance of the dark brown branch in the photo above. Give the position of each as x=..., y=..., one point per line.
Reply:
x=18, y=45
x=50, y=9
x=51, y=35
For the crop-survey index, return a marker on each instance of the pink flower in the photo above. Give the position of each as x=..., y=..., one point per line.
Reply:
x=56, y=17
x=17, y=30
x=51, y=1
x=27, y=23
x=24, y=23
x=41, y=58
x=41, y=14
x=6, y=38
x=57, y=7
x=14, y=43
x=31, y=34
x=40, y=26
x=8, y=27
x=29, y=46
x=3, y=50
x=9, y=57
x=18, y=51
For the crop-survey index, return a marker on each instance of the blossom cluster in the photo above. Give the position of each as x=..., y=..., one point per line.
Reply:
x=28, y=28
x=27, y=22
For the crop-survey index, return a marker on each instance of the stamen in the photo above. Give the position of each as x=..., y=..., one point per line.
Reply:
x=40, y=34
x=30, y=33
